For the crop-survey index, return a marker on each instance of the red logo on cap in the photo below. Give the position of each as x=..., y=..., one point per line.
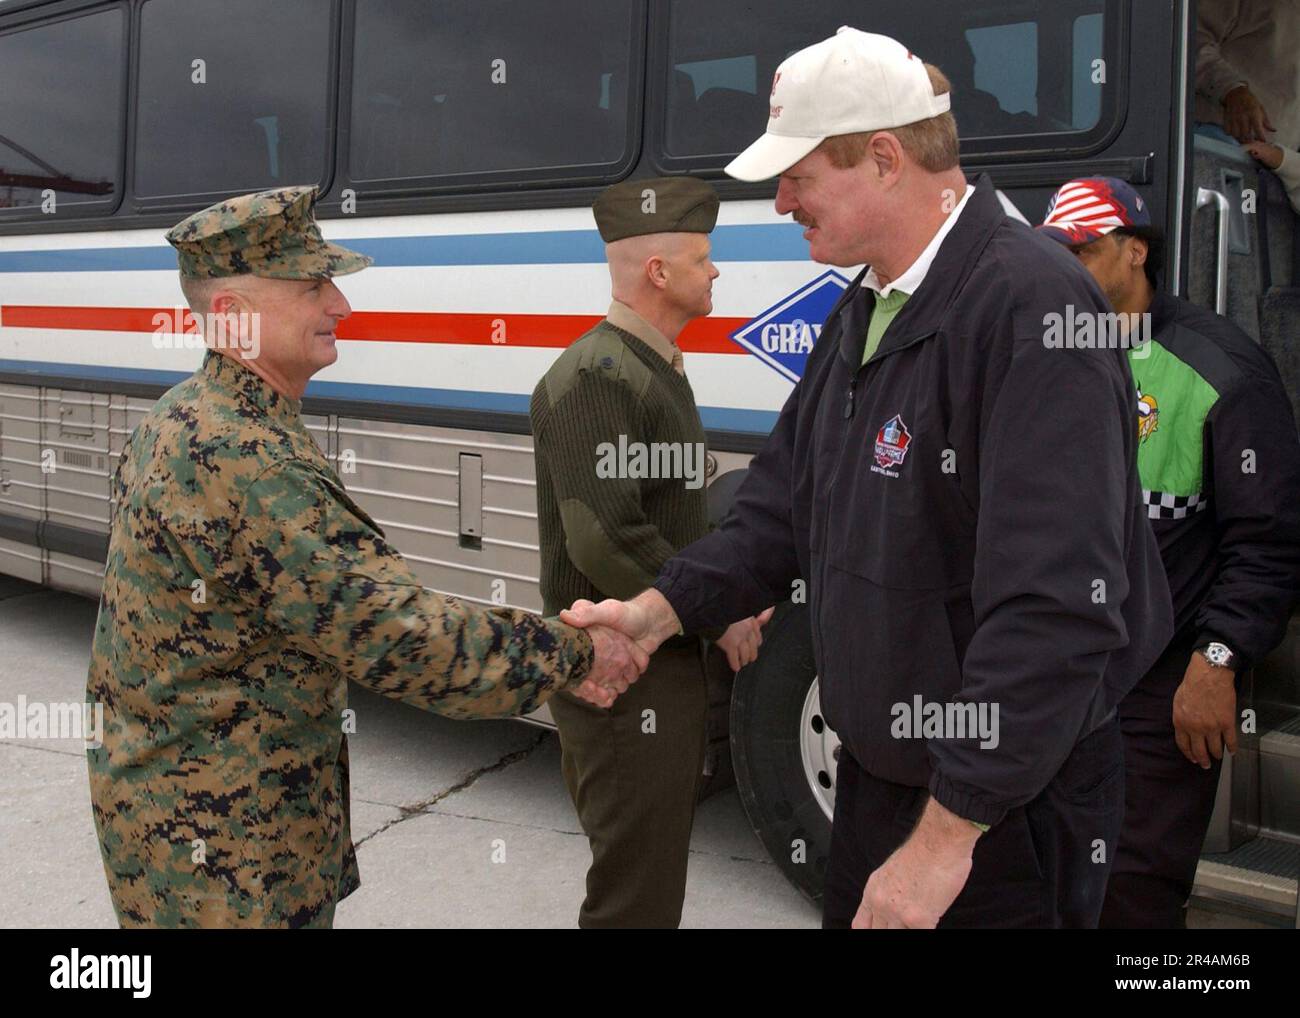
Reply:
x=775, y=79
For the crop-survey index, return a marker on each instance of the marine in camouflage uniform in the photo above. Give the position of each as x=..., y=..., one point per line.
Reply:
x=243, y=588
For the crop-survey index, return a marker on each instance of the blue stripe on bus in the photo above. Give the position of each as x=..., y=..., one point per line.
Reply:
x=760, y=242
x=715, y=418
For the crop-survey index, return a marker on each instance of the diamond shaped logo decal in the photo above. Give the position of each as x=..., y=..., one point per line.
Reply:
x=782, y=337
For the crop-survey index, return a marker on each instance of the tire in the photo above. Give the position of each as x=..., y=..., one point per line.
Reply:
x=776, y=726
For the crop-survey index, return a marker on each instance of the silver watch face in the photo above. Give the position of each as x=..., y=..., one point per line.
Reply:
x=1217, y=654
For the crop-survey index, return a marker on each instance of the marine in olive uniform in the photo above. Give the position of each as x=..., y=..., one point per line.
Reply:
x=620, y=488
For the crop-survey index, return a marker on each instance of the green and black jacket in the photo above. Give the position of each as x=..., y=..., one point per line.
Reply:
x=1219, y=462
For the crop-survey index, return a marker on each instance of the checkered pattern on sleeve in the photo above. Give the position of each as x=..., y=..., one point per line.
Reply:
x=1163, y=506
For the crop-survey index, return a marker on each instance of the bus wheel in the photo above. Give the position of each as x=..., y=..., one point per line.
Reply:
x=783, y=752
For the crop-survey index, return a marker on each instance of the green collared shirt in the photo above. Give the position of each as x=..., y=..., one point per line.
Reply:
x=886, y=311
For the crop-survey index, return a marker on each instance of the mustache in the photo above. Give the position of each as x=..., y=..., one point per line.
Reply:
x=804, y=221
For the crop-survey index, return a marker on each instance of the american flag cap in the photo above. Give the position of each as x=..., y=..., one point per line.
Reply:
x=1085, y=209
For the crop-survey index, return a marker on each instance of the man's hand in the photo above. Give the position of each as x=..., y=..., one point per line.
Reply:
x=1205, y=712
x=742, y=639
x=1244, y=116
x=1265, y=153
x=920, y=881
x=597, y=696
x=648, y=619
x=618, y=663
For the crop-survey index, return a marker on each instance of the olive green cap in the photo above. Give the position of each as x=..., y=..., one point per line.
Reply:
x=271, y=234
x=632, y=208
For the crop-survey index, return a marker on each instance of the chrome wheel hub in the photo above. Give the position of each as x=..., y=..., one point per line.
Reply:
x=819, y=748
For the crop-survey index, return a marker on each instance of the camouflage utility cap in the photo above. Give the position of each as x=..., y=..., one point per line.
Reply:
x=633, y=208
x=271, y=234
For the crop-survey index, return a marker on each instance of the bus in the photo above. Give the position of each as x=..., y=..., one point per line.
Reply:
x=461, y=144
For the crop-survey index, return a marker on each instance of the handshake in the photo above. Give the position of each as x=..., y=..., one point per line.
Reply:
x=625, y=633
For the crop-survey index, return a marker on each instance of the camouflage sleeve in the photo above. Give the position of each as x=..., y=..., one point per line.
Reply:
x=315, y=566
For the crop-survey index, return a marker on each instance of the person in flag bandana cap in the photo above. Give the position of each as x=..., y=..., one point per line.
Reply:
x=1209, y=399
x=956, y=556
x=1084, y=210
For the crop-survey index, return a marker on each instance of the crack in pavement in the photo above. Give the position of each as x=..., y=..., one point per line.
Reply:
x=421, y=808
x=503, y=823
x=44, y=749
x=579, y=834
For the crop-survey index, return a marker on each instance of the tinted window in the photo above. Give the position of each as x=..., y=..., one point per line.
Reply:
x=61, y=109
x=234, y=96
x=492, y=88
x=720, y=80
x=1087, y=50
x=1006, y=66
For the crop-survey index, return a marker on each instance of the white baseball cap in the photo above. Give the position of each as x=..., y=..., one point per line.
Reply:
x=854, y=81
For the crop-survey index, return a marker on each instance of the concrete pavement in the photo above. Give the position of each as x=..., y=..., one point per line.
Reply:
x=457, y=824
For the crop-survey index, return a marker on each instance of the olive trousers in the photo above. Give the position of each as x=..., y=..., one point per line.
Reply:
x=633, y=772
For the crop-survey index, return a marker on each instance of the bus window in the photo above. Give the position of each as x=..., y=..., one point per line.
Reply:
x=1005, y=59
x=736, y=73
x=1086, y=45
x=722, y=55
x=63, y=142
x=491, y=89
x=234, y=96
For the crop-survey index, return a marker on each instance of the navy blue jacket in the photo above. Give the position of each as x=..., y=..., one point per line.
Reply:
x=966, y=514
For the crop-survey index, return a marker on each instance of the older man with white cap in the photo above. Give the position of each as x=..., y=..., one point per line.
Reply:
x=961, y=497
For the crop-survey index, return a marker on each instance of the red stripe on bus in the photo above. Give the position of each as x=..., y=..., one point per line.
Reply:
x=704, y=335
x=18, y=316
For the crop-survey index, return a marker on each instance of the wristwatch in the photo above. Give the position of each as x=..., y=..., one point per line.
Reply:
x=1218, y=654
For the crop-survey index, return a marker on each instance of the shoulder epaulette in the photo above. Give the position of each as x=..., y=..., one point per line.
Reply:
x=601, y=350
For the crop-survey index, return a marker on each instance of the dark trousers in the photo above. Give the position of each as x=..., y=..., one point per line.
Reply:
x=1168, y=802
x=634, y=777
x=1043, y=865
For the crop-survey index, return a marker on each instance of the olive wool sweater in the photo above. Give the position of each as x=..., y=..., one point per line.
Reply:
x=620, y=455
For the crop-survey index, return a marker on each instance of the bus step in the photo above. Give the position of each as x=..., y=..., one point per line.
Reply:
x=1261, y=874
x=1279, y=778
x=1286, y=736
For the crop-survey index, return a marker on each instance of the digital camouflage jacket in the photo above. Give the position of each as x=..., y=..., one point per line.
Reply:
x=243, y=588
